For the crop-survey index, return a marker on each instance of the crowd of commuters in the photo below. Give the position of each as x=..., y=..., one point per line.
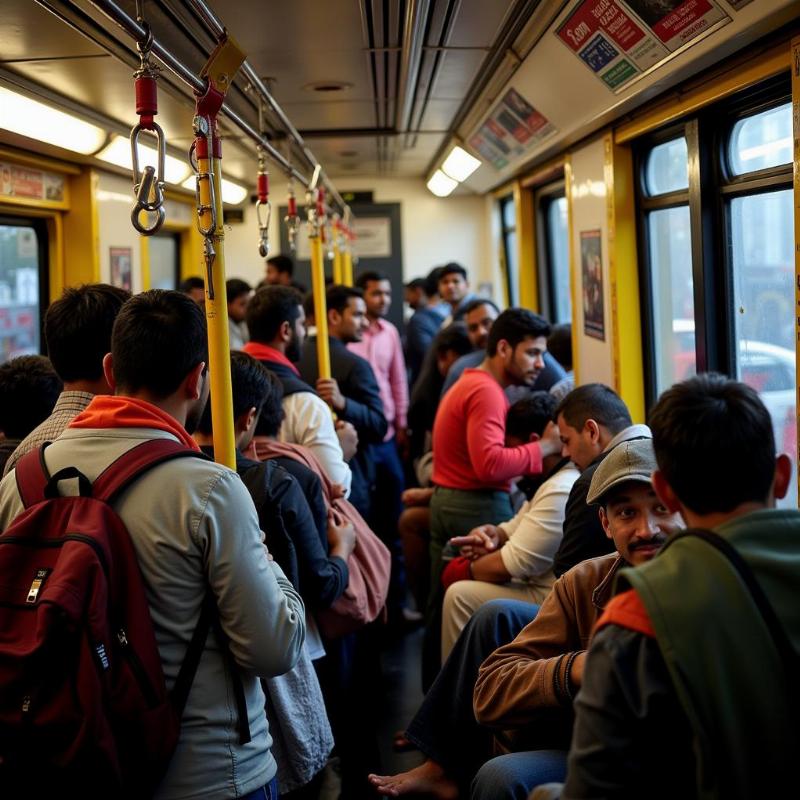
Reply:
x=602, y=600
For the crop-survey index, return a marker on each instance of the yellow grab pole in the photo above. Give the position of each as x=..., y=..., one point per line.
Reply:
x=347, y=268
x=315, y=214
x=338, y=273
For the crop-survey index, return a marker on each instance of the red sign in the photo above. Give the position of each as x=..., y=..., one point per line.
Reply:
x=605, y=15
x=680, y=18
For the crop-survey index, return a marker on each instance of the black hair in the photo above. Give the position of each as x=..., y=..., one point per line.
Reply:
x=594, y=401
x=530, y=415
x=337, y=298
x=29, y=388
x=515, y=325
x=367, y=277
x=432, y=281
x=308, y=306
x=236, y=287
x=159, y=337
x=449, y=269
x=269, y=308
x=417, y=283
x=282, y=264
x=453, y=337
x=271, y=417
x=559, y=344
x=192, y=282
x=250, y=382
x=714, y=443
x=477, y=303
x=77, y=329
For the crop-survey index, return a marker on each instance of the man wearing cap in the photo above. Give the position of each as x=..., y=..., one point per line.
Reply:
x=529, y=683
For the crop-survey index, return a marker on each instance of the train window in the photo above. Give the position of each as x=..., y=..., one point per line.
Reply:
x=554, y=277
x=164, y=261
x=667, y=168
x=508, y=229
x=761, y=140
x=23, y=264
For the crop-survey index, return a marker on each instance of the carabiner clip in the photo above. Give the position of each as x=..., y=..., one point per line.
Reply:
x=143, y=190
x=202, y=128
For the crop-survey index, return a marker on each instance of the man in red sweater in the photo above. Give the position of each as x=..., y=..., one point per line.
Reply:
x=472, y=467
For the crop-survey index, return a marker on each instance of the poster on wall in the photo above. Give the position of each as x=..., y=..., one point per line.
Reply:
x=592, y=281
x=121, y=260
x=32, y=184
x=620, y=39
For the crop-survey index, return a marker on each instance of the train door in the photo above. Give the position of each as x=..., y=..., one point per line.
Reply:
x=23, y=285
x=165, y=266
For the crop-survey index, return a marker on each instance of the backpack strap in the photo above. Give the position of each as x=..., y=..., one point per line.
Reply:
x=32, y=476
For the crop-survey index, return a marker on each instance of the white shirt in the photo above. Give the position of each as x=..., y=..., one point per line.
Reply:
x=307, y=421
x=534, y=533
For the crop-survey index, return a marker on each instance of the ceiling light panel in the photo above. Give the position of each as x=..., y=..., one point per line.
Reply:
x=459, y=165
x=440, y=184
x=119, y=153
x=232, y=193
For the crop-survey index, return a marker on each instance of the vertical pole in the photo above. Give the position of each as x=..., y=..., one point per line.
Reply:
x=347, y=267
x=338, y=266
x=320, y=306
x=796, y=196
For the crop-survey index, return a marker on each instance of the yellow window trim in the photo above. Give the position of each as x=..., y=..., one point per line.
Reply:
x=796, y=122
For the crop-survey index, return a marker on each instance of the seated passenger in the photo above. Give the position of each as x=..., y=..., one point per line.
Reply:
x=29, y=388
x=77, y=330
x=682, y=657
x=194, y=528
x=237, y=294
x=275, y=321
x=512, y=560
x=445, y=727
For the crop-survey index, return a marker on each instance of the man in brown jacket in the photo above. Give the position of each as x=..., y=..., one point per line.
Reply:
x=528, y=684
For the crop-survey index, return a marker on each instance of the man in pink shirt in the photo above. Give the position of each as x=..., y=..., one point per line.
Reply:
x=382, y=348
x=472, y=467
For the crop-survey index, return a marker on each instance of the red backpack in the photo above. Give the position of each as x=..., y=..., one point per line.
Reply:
x=83, y=702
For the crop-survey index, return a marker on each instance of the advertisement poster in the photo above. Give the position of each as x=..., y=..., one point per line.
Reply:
x=121, y=263
x=620, y=39
x=513, y=128
x=592, y=282
x=33, y=184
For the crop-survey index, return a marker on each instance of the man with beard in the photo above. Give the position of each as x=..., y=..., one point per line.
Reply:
x=195, y=534
x=275, y=319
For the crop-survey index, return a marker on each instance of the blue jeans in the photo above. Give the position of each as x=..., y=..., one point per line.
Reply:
x=515, y=775
x=444, y=728
x=267, y=792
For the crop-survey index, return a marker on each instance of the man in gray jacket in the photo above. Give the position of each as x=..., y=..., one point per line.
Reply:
x=194, y=528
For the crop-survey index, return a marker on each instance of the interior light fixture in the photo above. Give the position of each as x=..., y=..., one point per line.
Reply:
x=232, y=193
x=27, y=117
x=119, y=153
x=459, y=165
x=440, y=184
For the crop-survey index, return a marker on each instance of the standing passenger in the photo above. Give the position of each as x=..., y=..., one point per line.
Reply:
x=194, y=530
x=237, y=294
x=423, y=325
x=454, y=290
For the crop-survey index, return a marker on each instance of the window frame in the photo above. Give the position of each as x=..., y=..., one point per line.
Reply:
x=544, y=198
x=508, y=260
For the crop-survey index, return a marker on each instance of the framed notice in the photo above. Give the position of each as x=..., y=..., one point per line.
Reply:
x=592, y=281
x=121, y=260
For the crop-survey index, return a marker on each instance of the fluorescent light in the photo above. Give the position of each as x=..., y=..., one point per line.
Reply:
x=232, y=192
x=119, y=153
x=459, y=165
x=440, y=184
x=27, y=117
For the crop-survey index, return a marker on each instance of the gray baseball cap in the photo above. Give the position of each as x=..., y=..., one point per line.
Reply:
x=629, y=461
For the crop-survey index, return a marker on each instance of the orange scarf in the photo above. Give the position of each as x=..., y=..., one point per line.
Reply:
x=109, y=411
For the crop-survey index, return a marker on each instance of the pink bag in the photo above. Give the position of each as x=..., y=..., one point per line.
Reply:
x=369, y=564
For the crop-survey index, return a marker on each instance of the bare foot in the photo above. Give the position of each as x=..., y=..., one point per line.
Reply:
x=427, y=780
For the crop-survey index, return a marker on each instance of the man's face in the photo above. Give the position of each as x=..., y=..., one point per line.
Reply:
x=524, y=363
x=277, y=278
x=446, y=360
x=199, y=296
x=378, y=298
x=479, y=323
x=637, y=521
x=415, y=298
x=578, y=445
x=294, y=347
x=453, y=288
x=237, y=308
x=353, y=320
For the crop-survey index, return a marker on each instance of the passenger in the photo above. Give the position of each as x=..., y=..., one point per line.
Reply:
x=424, y=324
x=559, y=345
x=238, y=294
x=29, y=388
x=512, y=560
x=77, y=330
x=352, y=391
x=446, y=729
x=280, y=272
x=479, y=315
x=454, y=290
x=195, y=288
x=682, y=657
x=592, y=421
x=193, y=528
x=275, y=321
x=382, y=348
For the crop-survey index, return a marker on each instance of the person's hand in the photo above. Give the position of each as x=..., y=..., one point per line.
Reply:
x=328, y=390
x=550, y=443
x=337, y=491
x=479, y=541
x=341, y=536
x=576, y=670
x=417, y=497
x=403, y=443
x=348, y=438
